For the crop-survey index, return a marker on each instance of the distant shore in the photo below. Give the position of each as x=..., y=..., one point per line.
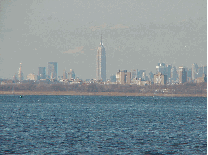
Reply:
x=96, y=93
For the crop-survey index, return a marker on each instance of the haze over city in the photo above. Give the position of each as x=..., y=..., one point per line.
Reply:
x=136, y=35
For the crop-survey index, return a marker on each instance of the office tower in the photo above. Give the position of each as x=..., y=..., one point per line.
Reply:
x=71, y=74
x=52, y=70
x=20, y=74
x=161, y=68
x=189, y=75
x=123, y=77
x=41, y=73
x=194, y=71
x=101, y=62
x=182, y=75
x=168, y=71
x=160, y=79
x=174, y=74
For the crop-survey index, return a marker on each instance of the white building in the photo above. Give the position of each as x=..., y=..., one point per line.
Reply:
x=31, y=76
x=123, y=77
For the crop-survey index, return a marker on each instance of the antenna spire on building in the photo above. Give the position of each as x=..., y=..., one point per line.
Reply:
x=101, y=40
x=20, y=72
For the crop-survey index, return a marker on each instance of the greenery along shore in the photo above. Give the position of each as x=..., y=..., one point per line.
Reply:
x=188, y=89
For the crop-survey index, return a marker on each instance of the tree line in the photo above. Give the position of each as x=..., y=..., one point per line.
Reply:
x=188, y=88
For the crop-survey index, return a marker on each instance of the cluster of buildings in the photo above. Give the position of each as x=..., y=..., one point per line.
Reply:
x=52, y=74
x=165, y=74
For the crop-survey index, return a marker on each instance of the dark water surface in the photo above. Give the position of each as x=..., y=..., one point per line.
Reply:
x=103, y=125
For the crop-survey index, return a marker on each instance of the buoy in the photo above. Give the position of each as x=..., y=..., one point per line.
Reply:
x=20, y=96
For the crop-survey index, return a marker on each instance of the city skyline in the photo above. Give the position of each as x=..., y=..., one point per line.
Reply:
x=136, y=35
x=165, y=69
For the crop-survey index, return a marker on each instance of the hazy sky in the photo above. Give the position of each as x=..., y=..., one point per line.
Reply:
x=137, y=34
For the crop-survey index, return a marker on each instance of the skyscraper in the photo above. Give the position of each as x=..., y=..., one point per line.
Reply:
x=182, y=75
x=174, y=74
x=52, y=70
x=101, y=62
x=161, y=68
x=194, y=71
x=123, y=77
x=41, y=73
x=168, y=71
x=160, y=79
x=20, y=74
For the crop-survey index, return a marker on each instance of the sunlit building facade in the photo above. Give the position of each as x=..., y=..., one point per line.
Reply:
x=123, y=77
x=182, y=75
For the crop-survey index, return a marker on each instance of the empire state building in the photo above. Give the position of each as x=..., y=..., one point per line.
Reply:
x=101, y=62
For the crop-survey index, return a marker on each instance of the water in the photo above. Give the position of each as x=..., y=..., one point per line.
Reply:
x=102, y=125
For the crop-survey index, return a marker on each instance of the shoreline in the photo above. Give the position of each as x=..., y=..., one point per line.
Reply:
x=74, y=93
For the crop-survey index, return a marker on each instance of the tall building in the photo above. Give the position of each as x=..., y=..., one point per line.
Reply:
x=182, y=75
x=123, y=77
x=161, y=68
x=168, y=71
x=101, y=62
x=194, y=71
x=160, y=79
x=52, y=70
x=20, y=74
x=41, y=73
x=189, y=75
x=174, y=74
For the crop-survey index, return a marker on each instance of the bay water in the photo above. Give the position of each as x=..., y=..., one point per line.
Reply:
x=102, y=125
